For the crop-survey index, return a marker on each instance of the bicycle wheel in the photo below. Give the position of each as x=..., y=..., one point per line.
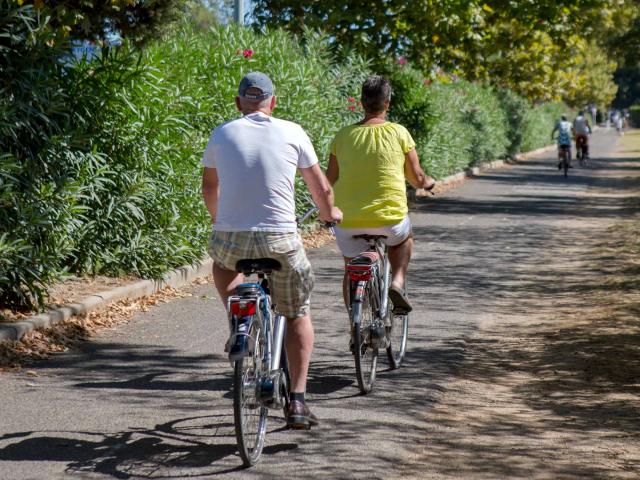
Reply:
x=249, y=415
x=565, y=164
x=397, y=334
x=364, y=354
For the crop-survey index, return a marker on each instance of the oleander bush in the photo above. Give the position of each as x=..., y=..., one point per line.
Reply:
x=100, y=160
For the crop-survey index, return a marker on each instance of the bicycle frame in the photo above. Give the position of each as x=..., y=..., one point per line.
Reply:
x=274, y=327
x=361, y=274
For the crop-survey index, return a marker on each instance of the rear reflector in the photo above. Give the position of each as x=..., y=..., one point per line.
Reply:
x=243, y=307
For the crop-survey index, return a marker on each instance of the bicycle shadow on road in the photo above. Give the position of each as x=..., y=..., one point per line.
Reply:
x=178, y=449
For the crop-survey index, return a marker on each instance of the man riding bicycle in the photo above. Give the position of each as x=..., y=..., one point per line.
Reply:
x=368, y=166
x=250, y=166
x=564, y=128
x=581, y=130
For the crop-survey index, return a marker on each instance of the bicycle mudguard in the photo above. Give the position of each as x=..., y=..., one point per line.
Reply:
x=359, y=291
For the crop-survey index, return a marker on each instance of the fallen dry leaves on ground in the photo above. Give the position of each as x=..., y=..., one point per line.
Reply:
x=41, y=344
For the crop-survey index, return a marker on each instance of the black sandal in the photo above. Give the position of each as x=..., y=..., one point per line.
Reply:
x=400, y=301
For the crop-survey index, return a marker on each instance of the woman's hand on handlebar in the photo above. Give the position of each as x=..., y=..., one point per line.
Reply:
x=428, y=183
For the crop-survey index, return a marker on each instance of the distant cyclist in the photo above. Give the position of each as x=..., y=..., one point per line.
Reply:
x=582, y=130
x=368, y=166
x=564, y=129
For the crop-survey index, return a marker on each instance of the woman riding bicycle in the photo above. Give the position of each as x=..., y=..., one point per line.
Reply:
x=368, y=166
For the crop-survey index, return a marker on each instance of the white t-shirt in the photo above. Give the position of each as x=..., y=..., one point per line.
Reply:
x=256, y=157
x=580, y=126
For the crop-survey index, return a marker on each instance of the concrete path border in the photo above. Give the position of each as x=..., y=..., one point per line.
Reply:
x=13, y=331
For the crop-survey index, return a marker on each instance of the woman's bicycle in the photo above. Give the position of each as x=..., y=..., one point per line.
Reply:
x=260, y=373
x=374, y=323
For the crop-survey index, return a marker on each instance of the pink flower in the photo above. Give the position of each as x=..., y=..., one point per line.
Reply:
x=248, y=53
x=426, y=82
x=402, y=61
x=351, y=100
x=352, y=108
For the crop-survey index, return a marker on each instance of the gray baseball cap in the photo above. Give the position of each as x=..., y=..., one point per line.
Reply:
x=257, y=80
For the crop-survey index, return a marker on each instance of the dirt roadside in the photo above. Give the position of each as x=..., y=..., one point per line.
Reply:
x=551, y=387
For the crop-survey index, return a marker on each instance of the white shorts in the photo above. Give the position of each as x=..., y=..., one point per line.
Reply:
x=350, y=247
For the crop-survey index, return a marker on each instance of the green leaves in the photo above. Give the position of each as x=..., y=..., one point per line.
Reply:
x=522, y=44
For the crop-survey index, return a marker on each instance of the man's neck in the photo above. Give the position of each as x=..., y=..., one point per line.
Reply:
x=265, y=111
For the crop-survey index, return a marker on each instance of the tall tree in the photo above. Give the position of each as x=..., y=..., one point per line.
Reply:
x=138, y=20
x=524, y=44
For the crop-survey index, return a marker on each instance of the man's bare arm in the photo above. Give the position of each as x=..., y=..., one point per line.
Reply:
x=322, y=193
x=413, y=172
x=210, y=191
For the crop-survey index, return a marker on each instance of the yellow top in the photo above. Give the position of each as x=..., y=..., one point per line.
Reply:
x=370, y=189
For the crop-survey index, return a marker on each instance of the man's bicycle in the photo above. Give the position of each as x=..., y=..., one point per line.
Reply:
x=260, y=372
x=261, y=375
x=374, y=324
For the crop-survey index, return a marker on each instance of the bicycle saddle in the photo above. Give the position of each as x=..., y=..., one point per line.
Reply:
x=369, y=237
x=249, y=266
x=365, y=258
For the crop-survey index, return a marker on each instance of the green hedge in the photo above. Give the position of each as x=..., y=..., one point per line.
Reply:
x=100, y=162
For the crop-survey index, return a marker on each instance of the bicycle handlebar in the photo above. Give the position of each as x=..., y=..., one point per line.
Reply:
x=430, y=189
x=306, y=215
x=309, y=213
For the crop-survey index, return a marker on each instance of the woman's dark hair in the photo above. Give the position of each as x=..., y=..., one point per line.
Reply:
x=376, y=90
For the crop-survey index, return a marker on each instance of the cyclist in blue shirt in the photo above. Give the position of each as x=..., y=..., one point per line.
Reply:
x=565, y=133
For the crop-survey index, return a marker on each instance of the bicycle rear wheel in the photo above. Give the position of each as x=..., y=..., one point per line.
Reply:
x=249, y=416
x=565, y=164
x=364, y=353
x=397, y=334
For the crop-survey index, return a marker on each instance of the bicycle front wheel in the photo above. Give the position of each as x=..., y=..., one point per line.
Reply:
x=365, y=353
x=397, y=334
x=249, y=415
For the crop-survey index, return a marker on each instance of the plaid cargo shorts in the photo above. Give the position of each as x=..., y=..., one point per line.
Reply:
x=291, y=286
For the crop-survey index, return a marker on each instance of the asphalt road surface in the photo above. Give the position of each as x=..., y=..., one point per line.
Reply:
x=152, y=399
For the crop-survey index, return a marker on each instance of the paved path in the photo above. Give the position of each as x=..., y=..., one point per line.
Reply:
x=151, y=399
